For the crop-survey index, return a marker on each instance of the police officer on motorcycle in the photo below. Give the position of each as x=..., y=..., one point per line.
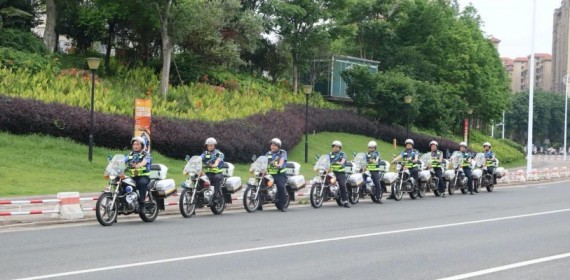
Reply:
x=437, y=165
x=490, y=160
x=338, y=159
x=466, y=165
x=411, y=158
x=373, y=160
x=213, y=160
x=138, y=167
x=277, y=158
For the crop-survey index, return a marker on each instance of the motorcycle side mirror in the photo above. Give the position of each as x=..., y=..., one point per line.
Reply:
x=254, y=158
x=109, y=157
x=187, y=158
x=354, y=154
x=317, y=157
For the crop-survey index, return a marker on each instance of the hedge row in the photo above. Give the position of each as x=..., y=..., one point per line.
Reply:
x=239, y=139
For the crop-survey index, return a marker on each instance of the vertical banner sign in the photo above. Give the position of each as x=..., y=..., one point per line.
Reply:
x=143, y=120
x=465, y=130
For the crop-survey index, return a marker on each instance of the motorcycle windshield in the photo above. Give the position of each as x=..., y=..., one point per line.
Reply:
x=359, y=161
x=426, y=158
x=260, y=164
x=116, y=166
x=323, y=163
x=456, y=158
x=194, y=165
x=480, y=159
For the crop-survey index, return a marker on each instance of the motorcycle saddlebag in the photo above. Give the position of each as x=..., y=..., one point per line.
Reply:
x=477, y=173
x=233, y=184
x=500, y=172
x=355, y=180
x=449, y=175
x=165, y=188
x=296, y=183
x=389, y=177
x=424, y=175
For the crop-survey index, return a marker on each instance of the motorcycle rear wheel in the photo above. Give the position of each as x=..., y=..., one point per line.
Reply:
x=250, y=204
x=106, y=210
x=187, y=209
x=316, y=199
x=219, y=205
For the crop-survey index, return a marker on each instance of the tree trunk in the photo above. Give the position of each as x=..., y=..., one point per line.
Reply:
x=295, y=74
x=109, y=47
x=49, y=32
x=166, y=50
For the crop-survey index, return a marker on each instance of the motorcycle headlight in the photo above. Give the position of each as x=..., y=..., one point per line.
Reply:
x=321, y=172
x=251, y=182
x=112, y=177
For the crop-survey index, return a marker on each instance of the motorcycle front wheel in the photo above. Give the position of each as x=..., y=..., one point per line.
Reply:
x=490, y=187
x=106, y=210
x=316, y=199
x=249, y=202
x=463, y=190
x=218, y=205
x=476, y=185
x=374, y=197
x=149, y=212
x=422, y=190
x=187, y=208
x=450, y=188
x=353, y=195
x=397, y=191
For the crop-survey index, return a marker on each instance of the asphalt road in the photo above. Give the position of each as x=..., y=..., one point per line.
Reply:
x=430, y=238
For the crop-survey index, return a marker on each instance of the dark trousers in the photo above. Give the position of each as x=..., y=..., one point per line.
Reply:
x=375, y=175
x=414, y=172
x=142, y=183
x=439, y=175
x=341, y=180
x=281, y=182
x=216, y=180
x=467, y=172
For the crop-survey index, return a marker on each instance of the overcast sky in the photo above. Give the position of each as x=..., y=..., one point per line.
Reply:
x=511, y=22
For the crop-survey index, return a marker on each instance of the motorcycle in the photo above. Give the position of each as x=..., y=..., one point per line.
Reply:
x=261, y=188
x=355, y=178
x=454, y=178
x=370, y=189
x=487, y=181
x=122, y=195
x=428, y=180
x=325, y=186
x=477, y=174
x=404, y=183
x=198, y=192
x=295, y=181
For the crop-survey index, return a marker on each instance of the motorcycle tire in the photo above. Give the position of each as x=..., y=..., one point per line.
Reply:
x=338, y=201
x=287, y=202
x=249, y=204
x=476, y=185
x=436, y=193
x=490, y=188
x=106, y=218
x=149, y=212
x=187, y=209
x=353, y=196
x=316, y=200
x=450, y=189
x=374, y=197
x=397, y=192
x=463, y=190
x=422, y=190
x=219, y=205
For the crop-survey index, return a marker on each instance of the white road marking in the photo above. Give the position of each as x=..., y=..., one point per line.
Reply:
x=294, y=244
x=506, y=267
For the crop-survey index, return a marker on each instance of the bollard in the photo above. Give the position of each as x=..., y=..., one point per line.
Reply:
x=69, y=207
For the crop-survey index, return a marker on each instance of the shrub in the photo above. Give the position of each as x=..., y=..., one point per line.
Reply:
x=17, y=60
x=21, y=40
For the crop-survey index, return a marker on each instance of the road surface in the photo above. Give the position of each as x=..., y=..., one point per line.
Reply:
x=512, y=233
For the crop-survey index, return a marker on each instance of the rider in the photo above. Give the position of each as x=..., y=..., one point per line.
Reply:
x=138, y=161
x=338, y=159
x=277, y=158
x=437, y=165
x=411, y=157
x=466, y=165
x=213, y=160
x=373, y=160
x=490, y=160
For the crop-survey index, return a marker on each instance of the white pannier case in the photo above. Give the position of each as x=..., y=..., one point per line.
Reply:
x=477, y=173
x=424, y=175
x=500, y=172
x=233, y=184
x=165, y=188
x=228, y=169
x=389, y=178
x=158, y=172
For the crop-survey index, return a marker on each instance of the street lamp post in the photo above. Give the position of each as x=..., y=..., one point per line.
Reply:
x=408, y=101
x=531, y=93
x=93, y=64
x=566, y=114
x=307, y=89
x=469, y=113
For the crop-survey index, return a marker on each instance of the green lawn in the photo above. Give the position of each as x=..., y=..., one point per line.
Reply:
x=37, y=164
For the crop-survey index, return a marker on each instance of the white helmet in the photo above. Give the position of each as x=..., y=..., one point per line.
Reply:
x=337, y=143
x=463, y=144
x=372, y=144
x=138, y=139
x=211, y=141
x=409, y=141
x=276, y=141
x=433, y=143
x=487, y=144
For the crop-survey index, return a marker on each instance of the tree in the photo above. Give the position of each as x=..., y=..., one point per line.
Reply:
x=15, y=14
x=361, y=86
x=50, y=39
x=301, y=25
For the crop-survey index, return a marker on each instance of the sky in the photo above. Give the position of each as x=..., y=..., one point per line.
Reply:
x=511, y=22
